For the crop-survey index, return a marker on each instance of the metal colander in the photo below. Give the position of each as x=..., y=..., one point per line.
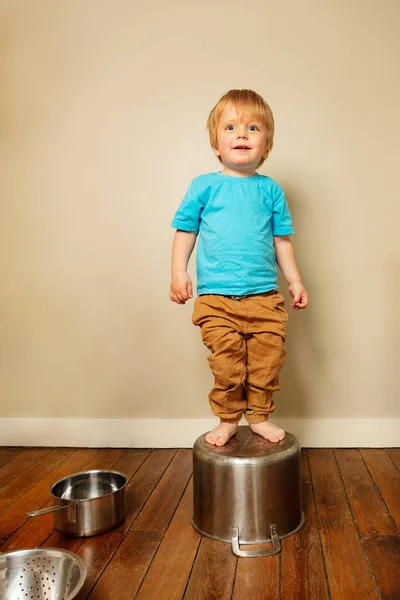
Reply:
x=41, y=573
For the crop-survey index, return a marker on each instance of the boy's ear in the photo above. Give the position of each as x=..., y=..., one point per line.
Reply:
x=216, y=151
x=267, y=151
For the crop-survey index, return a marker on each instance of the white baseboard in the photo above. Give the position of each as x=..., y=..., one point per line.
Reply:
x=181, y=433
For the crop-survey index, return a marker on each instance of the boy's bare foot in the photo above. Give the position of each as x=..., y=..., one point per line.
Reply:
x=221, y=434
x=268, y=430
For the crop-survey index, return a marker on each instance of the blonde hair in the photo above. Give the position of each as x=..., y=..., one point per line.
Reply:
x=245, y=102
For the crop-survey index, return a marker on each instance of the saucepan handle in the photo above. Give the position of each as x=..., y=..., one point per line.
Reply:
x=276, y=545
x=44, y=511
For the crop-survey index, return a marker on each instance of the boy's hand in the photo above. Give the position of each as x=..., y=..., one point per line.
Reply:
x=181, y=287
x=299, y=295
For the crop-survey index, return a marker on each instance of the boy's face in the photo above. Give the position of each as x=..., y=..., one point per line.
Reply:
x=241, y=143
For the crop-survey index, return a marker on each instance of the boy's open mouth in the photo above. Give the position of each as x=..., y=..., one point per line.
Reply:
x=241, y=148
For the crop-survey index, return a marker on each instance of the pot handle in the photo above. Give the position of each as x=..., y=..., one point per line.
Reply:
x=276, y=545
x=44, y=511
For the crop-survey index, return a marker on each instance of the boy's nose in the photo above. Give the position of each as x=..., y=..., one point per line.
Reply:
x=242, y=134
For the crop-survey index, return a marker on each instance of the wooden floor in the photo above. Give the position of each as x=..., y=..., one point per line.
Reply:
x=348, y=548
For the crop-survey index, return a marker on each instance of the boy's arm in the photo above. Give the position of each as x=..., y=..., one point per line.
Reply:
x=287, y=263
x=181, y=285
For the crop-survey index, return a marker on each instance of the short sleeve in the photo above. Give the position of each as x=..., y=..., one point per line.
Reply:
x=188, y=215
x=281, y=219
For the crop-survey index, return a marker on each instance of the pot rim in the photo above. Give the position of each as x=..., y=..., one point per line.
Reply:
x=251, y=541
x=77, y=500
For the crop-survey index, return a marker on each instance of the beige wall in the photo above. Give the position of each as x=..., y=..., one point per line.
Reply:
x=102, y=124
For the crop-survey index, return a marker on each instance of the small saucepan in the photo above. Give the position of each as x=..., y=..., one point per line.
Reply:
x=87, y=503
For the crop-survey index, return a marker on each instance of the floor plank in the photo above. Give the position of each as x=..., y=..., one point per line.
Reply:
x=98, y=551
x=9, y=454
x=131, y=461
x=143, y=484
x=257, y=577
x=370, y=512
x=23, y=472
x=303, y=574
x=158, y=511
x=394, y=455
x=213, y=572
x=384, y=555
x=125, y=573
x=387, y=478
x=170, y=569
x=347, y=569
x=4, y=504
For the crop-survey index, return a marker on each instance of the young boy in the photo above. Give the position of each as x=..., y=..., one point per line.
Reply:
x=244, y=224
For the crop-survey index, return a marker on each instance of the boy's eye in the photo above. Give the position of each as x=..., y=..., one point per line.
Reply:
x=253, y=128
x=230, y=127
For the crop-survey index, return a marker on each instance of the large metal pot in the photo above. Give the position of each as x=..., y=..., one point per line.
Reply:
x=87, y=503
x=248, y=491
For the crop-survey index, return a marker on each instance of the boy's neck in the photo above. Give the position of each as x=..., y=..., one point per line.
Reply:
x=237, y=173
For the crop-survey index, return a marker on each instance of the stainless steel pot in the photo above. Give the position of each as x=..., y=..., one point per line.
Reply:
x=248, y=491
x=87, y=503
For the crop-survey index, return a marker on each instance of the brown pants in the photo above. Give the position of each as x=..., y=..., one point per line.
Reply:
x=247, y=342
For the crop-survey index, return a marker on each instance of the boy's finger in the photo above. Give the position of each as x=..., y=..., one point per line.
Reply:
x=189, y=289
x=302, y=303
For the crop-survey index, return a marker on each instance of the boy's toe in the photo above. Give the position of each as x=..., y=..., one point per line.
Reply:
x=221, y=440
x=210, y=438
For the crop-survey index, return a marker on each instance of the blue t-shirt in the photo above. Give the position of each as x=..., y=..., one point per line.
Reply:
x=236, y=218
